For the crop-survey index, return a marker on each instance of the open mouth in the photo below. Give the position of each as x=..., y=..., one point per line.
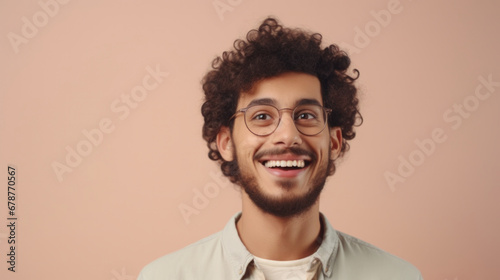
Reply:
x=286, y=164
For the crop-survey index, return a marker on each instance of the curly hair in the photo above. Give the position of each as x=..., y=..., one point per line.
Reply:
x=269, y=51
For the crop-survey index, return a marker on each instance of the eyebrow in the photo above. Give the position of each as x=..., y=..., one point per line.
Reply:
x=270, y=101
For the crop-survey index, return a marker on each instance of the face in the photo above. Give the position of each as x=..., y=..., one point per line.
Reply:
x=275, y=189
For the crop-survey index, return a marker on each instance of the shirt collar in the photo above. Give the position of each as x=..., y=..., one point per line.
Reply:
x=329, y=245
x=240, y=257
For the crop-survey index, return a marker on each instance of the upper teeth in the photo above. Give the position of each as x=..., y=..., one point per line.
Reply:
x=285, y=163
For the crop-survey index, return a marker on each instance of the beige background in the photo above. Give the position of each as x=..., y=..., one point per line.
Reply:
x=65, y=64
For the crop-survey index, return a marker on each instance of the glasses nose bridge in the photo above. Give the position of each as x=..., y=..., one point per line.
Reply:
x=292, y=110
x=280, y=113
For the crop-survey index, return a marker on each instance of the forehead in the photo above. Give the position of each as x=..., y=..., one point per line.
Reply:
x=284, y=91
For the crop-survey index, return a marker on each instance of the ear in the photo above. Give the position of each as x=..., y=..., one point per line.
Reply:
x=225, y=143
x=336, y=142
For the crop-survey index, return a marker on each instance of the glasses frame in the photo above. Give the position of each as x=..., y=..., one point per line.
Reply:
x=326, y=112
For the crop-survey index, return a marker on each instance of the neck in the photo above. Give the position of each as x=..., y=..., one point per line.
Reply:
x=277, y=238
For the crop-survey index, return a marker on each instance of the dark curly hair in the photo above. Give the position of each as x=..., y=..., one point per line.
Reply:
x=270, y=51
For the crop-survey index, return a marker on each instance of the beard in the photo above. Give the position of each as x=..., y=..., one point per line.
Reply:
x=287, y=205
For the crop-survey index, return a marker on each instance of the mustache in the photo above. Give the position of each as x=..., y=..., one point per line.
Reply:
x=279, y=151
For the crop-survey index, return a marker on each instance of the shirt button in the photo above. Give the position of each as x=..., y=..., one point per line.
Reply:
x=240, y=271
x=327, y=267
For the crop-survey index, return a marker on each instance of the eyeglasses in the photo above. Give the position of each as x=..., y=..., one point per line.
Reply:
x=262, y=120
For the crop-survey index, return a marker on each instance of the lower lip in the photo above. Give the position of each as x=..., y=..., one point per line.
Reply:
x=285, y=173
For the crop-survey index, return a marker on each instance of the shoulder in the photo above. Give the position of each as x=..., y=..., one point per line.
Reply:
x=189, y=262
x=362, y=258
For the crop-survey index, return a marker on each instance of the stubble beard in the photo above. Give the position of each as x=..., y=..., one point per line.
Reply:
x=287, y=205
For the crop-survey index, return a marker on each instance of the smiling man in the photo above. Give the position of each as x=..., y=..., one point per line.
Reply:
x=279, y=110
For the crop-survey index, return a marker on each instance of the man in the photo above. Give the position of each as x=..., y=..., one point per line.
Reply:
x=279, y=110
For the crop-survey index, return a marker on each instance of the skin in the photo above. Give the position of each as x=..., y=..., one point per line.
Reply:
x=266, y=235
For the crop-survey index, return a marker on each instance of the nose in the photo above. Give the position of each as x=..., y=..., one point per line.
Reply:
x=286, y=133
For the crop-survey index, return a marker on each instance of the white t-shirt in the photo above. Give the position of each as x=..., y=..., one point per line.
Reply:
x=289, y=270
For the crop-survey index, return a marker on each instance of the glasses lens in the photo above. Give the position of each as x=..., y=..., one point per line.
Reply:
x=262, y=119
x=309, y=119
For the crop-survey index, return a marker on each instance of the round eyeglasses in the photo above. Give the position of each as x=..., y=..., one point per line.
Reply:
x=262, y=120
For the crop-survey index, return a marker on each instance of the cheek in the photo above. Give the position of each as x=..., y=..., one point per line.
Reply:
x=248, y=146
x=240, y=131
x=246, y=143
x=322, y=146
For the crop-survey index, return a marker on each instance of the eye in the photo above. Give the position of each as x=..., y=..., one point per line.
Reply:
x=305, y=116
x=262, y=117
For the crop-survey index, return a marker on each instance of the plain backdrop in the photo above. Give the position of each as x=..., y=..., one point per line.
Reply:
x=108, y=150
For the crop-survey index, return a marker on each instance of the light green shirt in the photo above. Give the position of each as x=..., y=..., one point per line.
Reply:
x=223, y=256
